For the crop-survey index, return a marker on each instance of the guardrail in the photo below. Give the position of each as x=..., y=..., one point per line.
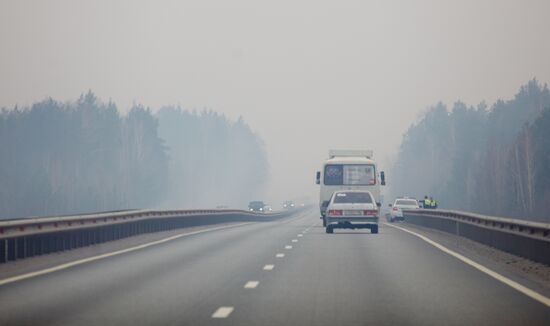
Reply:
x=28, y=237
x=522, y=238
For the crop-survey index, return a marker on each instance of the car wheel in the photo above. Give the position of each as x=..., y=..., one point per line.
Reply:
x=374, y=229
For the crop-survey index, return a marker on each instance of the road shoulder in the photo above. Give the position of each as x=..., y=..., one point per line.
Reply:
x=533, y=275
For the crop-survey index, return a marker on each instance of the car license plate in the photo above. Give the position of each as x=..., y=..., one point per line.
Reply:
x=353, y=213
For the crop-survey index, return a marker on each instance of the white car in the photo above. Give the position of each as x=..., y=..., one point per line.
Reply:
x=396, y=212
x=352, y=209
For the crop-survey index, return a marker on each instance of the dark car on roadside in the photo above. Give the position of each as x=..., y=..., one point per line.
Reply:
x=256, y=206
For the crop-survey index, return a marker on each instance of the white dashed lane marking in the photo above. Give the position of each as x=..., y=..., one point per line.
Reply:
x=294, y=240
x=223, y=312
x=279, y=255
x=251, y=284
x=288, y=247
x=300, y=235
x=269, y=267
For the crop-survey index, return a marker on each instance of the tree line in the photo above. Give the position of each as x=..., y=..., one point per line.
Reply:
x=488, y=160
x=84, y=156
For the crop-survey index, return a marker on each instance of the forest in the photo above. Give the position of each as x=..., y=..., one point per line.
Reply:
x=491, y=160
x=61, y=158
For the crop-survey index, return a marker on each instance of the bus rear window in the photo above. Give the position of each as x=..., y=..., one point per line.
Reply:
x=351, y=174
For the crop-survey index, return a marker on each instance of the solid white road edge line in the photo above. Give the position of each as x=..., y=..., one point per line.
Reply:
x=516, y=286
x=111, y=254
x=223, y=312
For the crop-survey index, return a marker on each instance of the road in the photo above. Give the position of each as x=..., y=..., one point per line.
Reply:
x=240, y=276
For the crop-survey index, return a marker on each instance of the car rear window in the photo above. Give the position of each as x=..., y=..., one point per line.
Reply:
x=406, y=202
x=352, y=197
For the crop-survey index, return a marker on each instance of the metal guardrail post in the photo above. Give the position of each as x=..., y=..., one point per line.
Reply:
x=4, y=250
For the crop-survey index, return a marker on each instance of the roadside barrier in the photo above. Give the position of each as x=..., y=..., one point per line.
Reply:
x=28, y=237
x=527, y=239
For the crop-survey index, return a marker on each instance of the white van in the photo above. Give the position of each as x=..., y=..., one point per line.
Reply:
x=348, y=170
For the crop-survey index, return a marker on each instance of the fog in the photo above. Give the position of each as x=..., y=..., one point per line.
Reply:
x=305, y=75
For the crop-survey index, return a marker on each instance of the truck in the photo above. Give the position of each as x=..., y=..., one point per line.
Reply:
x=348, y=170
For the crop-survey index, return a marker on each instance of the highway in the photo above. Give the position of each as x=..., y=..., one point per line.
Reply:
x=284, y=272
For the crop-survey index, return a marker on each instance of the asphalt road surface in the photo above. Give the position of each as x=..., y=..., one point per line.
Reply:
x=287, y=272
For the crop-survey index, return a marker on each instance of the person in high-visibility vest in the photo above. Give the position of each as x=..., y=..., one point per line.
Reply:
x=433, y=203
x=427, y=202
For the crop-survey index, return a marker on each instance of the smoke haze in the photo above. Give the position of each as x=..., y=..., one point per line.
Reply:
x=305, y=75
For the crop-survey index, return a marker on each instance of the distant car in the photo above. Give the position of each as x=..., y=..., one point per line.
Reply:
x=268, y=208
x=396, y=212
x=352, y=209
x=256, y=206
x=289, y=204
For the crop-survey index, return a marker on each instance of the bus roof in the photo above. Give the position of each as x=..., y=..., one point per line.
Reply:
x=350, y=153
x=349, y=160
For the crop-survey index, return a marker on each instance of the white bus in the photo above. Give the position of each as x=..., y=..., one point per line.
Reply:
x=348, y=170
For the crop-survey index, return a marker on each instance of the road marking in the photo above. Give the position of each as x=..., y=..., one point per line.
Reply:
x=288, y=247
x=223, y=312
x=111, y=254
x=528, y=292
x=294, y=240
x=279, y=255
x=251, y=284
x=269, y=267
x=300, y=235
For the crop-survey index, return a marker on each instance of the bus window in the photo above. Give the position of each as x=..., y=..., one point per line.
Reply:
x=352, y=174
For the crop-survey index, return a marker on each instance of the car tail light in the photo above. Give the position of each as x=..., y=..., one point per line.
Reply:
x=395, y=209
x=335, y=212
x=370, y=212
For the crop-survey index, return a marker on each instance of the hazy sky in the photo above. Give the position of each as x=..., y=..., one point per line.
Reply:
x=306, y=75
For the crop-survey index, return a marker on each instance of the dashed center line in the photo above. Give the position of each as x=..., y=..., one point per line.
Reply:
x=269, y=267
x=288, y=247
x=280, y=255
x=294, y=240
x=300, y=235
x=251, y=284
x=223, y=312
